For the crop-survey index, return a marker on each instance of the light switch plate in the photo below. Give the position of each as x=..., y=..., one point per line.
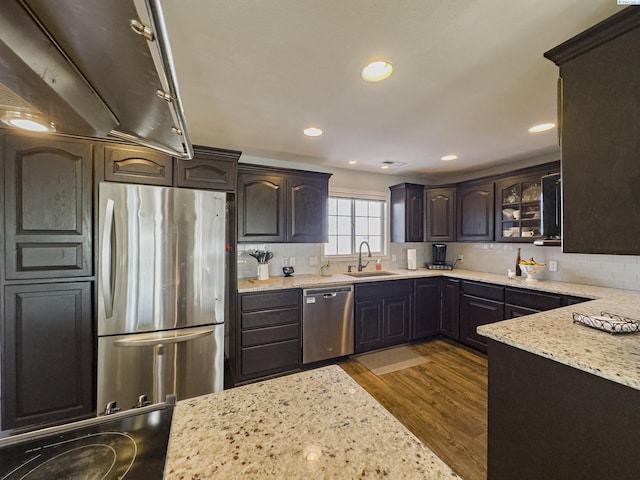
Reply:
x=553, y=265
x=313, y=261
x=292, y=261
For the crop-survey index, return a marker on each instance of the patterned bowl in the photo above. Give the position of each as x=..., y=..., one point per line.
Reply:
x=532, y=271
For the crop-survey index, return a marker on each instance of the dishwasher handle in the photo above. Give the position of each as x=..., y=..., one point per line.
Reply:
x=330, y=295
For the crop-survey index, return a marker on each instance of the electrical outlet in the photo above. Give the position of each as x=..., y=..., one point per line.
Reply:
x=285, y=262
x=292, y=261
x=461, y=258
x=394, y=258
x=313, y=261
x=553, y=265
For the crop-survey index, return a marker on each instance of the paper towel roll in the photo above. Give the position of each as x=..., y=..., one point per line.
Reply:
x=412, y=263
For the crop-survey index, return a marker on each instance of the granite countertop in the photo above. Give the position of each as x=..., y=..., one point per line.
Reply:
x=551, y=334
x=268, y=429
x=311, y=281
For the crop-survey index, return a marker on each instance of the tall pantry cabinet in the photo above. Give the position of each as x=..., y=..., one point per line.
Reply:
x=47, y=277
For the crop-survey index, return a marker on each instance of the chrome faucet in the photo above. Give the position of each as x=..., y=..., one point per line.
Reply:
x=360, y=265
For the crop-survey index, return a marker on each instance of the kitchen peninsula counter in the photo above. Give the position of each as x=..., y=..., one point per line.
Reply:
x=268, y=429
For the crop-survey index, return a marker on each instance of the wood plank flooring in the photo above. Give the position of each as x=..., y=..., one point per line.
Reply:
x=443, y=402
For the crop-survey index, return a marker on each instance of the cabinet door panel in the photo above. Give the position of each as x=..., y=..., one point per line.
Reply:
x=48, y=205
x=137, y=165
x=307, y=201
x=261, y=208
x=368, y=326
x=426, y=318
x=451, y=308
x=407, y=213
x=475, y=212
x=440, y=213
x=396, y=320
x=474, y=312
x=48, y=347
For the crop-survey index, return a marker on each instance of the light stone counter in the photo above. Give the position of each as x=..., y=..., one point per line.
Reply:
x=551, y=334
x=266, y=430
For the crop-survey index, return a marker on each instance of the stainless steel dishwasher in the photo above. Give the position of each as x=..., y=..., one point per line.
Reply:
x=327, y=323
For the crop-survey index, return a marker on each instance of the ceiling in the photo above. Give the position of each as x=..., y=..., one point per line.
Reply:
x=469, y=78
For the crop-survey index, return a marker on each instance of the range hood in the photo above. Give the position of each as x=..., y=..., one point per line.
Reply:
x=94, y=68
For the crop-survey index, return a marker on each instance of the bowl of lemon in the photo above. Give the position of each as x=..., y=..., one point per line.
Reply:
x=532, y=269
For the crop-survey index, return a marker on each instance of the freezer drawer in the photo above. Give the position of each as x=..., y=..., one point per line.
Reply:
x=327, y=323
x=186, y=362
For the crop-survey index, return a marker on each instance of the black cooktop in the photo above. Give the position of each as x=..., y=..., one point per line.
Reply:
x=130, y=445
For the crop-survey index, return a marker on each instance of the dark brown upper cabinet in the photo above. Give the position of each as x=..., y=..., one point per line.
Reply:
x=210, y=169
x=124, y=163
x=474, y=212
x=307, y=204
x=518, y=205
x=440, y=207
x=48, y=207
x=280, y=205
x=599, y=116
x=261, y=204
x=407, y=213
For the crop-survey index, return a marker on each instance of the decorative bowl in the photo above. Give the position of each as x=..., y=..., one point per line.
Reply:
x=532, y=271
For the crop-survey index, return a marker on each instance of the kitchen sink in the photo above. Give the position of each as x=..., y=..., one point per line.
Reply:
x=377, y=273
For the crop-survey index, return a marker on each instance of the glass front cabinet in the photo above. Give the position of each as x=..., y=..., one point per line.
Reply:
x=518, y=209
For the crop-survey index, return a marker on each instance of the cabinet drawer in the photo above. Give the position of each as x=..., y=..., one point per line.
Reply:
x=535, y=300
x=270, y=318
x=279, y=333
x=378, y=290
x=483, y=290
x=275, y=356
x=264, y=301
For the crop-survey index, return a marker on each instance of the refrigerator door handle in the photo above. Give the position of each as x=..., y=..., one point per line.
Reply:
x=106, y=259
x=159, y=340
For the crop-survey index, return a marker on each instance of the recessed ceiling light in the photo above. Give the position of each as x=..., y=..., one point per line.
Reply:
x=27, y=121
x=543, y=127
x=312, y=132
x=384, y=167
x=352, y=162
x=446, y=158
x=377, y=71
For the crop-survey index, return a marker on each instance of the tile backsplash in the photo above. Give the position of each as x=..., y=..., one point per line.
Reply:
x=305, y=254
x=615, y=271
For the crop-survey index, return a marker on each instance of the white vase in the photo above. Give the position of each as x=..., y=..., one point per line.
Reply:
x=263, y=271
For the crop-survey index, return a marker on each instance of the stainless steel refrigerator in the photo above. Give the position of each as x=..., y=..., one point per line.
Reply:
x=161, y=293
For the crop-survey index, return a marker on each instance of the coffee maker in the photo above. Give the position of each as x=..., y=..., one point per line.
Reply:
x=439, y=258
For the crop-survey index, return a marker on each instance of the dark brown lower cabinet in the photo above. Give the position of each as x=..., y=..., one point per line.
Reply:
x=426, y=316
x=476, y=311
x=47, y=354
x=554, y=422
x=269, y=334
x=450, y=325
x=382, y=314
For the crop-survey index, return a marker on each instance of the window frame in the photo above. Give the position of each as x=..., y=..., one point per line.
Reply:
x=364, y=195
